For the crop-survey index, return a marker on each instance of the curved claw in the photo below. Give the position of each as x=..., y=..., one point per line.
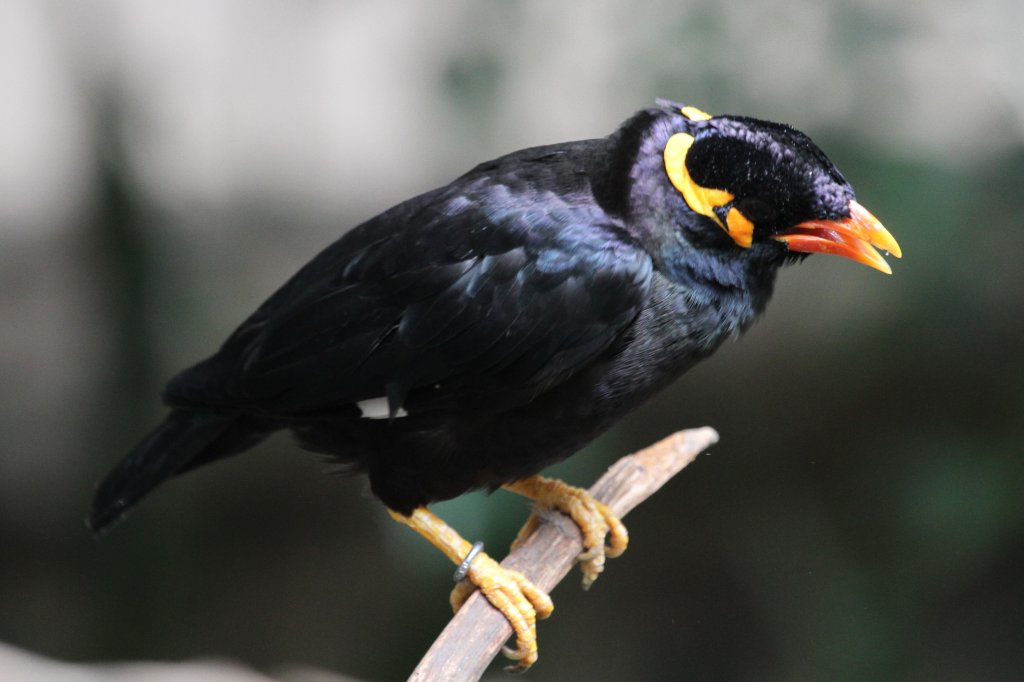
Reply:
x=516, y=597
x=519, y=656
x=596, y=521
x=460, y=593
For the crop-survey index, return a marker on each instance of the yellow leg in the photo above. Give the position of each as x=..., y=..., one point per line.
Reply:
x=518, y=599
x=596, y=521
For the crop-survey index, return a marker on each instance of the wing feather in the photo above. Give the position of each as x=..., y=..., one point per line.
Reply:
x=435, y=307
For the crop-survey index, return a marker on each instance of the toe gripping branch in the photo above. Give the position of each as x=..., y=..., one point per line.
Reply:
x=470, y=641
x=595, y=520
x=510, y=592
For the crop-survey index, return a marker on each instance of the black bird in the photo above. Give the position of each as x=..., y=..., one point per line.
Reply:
x=471, y=336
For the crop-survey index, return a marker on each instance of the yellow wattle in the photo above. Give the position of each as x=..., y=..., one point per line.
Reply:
x=701, y=199
x=739, y=228
x=695, y=114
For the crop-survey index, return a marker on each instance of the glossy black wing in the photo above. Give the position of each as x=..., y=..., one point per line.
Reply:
x=448, y=300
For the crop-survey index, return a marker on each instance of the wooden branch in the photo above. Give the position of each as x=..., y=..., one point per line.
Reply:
x=475, y=634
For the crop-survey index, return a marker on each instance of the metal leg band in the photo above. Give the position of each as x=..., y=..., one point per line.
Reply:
x=463, y=569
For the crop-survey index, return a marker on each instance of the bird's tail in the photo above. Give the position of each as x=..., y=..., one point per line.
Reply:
x=182, y=441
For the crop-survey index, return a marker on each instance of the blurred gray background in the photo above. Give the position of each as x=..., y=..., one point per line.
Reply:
x=164, y=166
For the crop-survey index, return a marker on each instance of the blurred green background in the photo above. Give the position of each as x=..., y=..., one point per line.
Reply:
x=164, y=166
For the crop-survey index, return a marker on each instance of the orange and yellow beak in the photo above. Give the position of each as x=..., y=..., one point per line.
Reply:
x=857, y=238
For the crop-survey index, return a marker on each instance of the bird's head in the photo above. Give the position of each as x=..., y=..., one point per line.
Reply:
x=765, y=183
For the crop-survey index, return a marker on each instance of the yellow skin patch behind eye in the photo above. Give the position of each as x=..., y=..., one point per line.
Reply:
x=703, y=200
x=695, y=114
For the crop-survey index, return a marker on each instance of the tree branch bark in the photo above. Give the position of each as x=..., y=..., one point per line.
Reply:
x=475, y=634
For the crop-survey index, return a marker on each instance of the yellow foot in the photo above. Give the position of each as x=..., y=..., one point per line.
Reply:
x=595, y=520
x=518, y=599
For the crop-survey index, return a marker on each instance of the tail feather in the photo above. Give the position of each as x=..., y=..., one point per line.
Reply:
x=169, y=449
